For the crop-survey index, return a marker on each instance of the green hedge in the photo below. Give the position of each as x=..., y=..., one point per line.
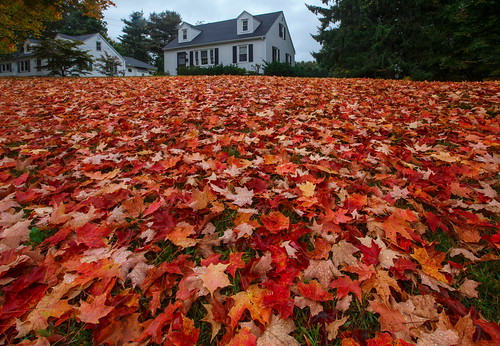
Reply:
x=210, y=71
x=300, y=69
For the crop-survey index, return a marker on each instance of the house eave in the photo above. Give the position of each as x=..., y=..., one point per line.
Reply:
x=215, y=43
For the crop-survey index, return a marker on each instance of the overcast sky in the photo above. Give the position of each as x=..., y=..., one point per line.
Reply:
x=301, y=22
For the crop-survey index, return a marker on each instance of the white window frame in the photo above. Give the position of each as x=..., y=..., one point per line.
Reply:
x=6, y=67
x=244, y=25
x=245, y=54
x=24, y=66
x=204, y=57
x=184, y=34
x=98, y=46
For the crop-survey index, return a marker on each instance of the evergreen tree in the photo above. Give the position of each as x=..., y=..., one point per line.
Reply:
x=135, y=40
x=162, y=28
x=64, y=57
x=416, y=38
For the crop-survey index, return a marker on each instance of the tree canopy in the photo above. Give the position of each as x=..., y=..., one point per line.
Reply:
x=20, y=19
x=74, y=22
x=422, y=39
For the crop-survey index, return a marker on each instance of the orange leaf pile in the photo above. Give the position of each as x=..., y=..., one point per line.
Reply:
x=246, y=210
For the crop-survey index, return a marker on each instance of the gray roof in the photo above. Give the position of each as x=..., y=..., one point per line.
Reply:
x=77, y=38
x=129, y=61
x=226, y=31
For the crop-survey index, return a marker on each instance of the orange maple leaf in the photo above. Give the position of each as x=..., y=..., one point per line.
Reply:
x=275, y=221
x=92, y=312
x=214, y=277
x=431, y=264
x=252, y=300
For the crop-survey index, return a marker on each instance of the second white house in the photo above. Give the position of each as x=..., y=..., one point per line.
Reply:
x=247, y=41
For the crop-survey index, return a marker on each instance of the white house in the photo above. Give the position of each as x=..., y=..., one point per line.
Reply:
x=247, y=41
x=25, y=63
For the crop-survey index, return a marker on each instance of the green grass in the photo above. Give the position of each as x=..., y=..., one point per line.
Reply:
x=306, y=333
x=488, y=275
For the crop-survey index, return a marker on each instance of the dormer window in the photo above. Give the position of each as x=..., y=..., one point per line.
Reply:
x=244, y=24
x=97, y=45
x=184, y=34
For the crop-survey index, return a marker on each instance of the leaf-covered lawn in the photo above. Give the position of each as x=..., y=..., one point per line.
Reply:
x=248, y=210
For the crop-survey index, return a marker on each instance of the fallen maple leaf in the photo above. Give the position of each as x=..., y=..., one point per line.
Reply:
x=214, y=277
x=252, y=299
x=92, y=312
x=275, y=221
x=430, y=264
x=277, y=333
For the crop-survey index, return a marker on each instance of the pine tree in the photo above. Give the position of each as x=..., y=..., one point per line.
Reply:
x=422, y=39
x=135, y=40
x=162, y=28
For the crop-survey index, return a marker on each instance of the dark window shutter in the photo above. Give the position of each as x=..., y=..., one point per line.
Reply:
x=29, y=65
x=235, y=55
x=191, y=61
x=250, y=53
x=216, y=56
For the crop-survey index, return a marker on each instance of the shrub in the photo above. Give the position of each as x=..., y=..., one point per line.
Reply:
x=301, y=69
x=276, y=68
x=210, y=71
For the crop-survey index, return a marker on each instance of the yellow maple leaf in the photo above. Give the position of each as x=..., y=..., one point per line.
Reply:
x=430, y=264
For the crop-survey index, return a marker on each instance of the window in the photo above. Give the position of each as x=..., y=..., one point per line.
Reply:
x=244, y=24
x=243, y=53
x=282, y=31
x=38, y=63
x=276, y=54
x=212, y=59
x=5, y=67
x=129, y=70
x=23, y=66
x=184, y=34
x=98, y=45
x=204, y=57
x=181, y=59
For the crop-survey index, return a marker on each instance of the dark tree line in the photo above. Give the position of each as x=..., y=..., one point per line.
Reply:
x=421, y=39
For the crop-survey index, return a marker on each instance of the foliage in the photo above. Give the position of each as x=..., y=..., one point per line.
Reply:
x=64, y=57
x=75, y=23
x=248, y=210
x=277, y=68
x=135, y=40
x=21, y=19
x=422, y=39
x=300, y=69
x=211, y=70
x=109, y=65
x=162, y=28
x=310, y=69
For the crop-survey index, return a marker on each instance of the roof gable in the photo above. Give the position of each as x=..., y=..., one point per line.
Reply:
x=226, y=30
